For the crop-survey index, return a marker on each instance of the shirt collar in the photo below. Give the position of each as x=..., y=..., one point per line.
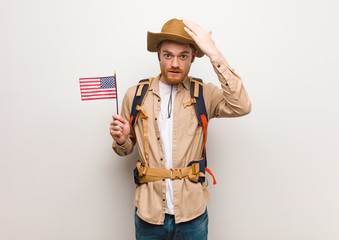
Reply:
x=154, y=87
x=186, y=83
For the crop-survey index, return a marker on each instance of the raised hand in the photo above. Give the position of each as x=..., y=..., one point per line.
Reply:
x=202, y=38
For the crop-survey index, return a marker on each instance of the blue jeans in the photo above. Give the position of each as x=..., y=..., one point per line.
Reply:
x=195, y=229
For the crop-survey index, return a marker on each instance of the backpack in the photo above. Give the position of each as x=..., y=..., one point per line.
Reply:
x=197, y=99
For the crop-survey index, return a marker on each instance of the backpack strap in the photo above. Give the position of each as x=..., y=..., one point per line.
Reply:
x=139, y=96
x=197, y=97
x=196, y=88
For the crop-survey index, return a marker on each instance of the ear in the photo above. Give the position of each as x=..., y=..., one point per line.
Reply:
x=158, y=55
x=193, y=56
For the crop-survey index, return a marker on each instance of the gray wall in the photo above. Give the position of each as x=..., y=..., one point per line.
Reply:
x=277, y=169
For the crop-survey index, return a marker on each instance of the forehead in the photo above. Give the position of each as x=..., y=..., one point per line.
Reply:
x=175, y=46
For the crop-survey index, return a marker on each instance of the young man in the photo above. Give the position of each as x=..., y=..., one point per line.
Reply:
x=171, y=198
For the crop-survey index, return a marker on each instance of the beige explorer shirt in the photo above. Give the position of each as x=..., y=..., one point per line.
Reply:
x=190, y=199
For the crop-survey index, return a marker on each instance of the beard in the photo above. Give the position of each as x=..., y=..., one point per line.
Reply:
x=174, y=76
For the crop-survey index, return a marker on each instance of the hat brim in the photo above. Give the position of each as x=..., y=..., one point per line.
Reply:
x=153, y=39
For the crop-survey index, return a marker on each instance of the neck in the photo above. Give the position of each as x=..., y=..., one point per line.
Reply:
x=163, y=80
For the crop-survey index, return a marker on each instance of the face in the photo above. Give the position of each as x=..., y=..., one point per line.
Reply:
x=175, y=62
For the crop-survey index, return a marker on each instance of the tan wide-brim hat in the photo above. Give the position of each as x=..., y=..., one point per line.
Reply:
x=173, y=30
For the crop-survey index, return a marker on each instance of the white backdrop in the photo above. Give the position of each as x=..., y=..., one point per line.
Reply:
x=277, y=168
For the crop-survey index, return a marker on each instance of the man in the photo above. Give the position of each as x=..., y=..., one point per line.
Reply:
x=172, y=205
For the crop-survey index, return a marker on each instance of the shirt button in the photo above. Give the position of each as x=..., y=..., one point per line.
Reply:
x=163, y=179
x=218, y=65
x=158, y=100
x=161, y=159
x=156, y=119
x=226, y=84
x=164, y=199
x=158, y=138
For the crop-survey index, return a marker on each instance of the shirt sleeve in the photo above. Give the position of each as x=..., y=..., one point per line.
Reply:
x=231, y=100
x=124, y=149
x=127, y=147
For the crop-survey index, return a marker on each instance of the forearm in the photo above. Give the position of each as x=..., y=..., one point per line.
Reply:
x=126, y=147
x=232, y=100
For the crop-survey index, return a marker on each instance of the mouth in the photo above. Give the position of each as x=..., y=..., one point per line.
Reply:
x=172, y=71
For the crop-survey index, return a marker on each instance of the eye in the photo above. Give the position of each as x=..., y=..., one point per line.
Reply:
x=167, y=55
x=184, y=56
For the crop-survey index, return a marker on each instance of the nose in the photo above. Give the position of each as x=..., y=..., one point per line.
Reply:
x=175, y=62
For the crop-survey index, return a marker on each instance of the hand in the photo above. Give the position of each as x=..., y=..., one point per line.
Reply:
x=119, y=129
x=202, y=38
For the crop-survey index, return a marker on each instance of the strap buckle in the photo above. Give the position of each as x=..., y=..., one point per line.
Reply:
x=176, y=173
x=189, y=103
x=141, y=169
x=195, y=168
x=142, y=112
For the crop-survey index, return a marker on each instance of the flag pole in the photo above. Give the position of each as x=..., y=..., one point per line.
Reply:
x=116, y=90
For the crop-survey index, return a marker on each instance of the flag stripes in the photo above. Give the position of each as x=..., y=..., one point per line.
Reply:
x=97, y=88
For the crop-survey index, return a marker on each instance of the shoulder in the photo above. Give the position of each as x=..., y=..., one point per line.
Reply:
x=211, y=91
x=207, y=86
x=130, y=93
x=131, y=90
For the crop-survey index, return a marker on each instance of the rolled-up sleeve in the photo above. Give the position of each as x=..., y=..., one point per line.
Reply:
x=232, y=99
x=123, y=149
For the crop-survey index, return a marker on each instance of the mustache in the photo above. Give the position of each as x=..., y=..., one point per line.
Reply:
x=174, y=70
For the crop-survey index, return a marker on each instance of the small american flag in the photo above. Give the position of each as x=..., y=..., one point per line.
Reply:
x=98, y=88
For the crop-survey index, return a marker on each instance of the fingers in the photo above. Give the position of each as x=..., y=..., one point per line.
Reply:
x=189, y=23
x=119, y=120
x=117, y=126
x=118, y=117
x=119, y=129
x=116, y=129
x=193, y=27
x=190, y=32
x=202, y=38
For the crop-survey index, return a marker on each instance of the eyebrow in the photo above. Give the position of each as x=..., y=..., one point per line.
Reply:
x=166, y=51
